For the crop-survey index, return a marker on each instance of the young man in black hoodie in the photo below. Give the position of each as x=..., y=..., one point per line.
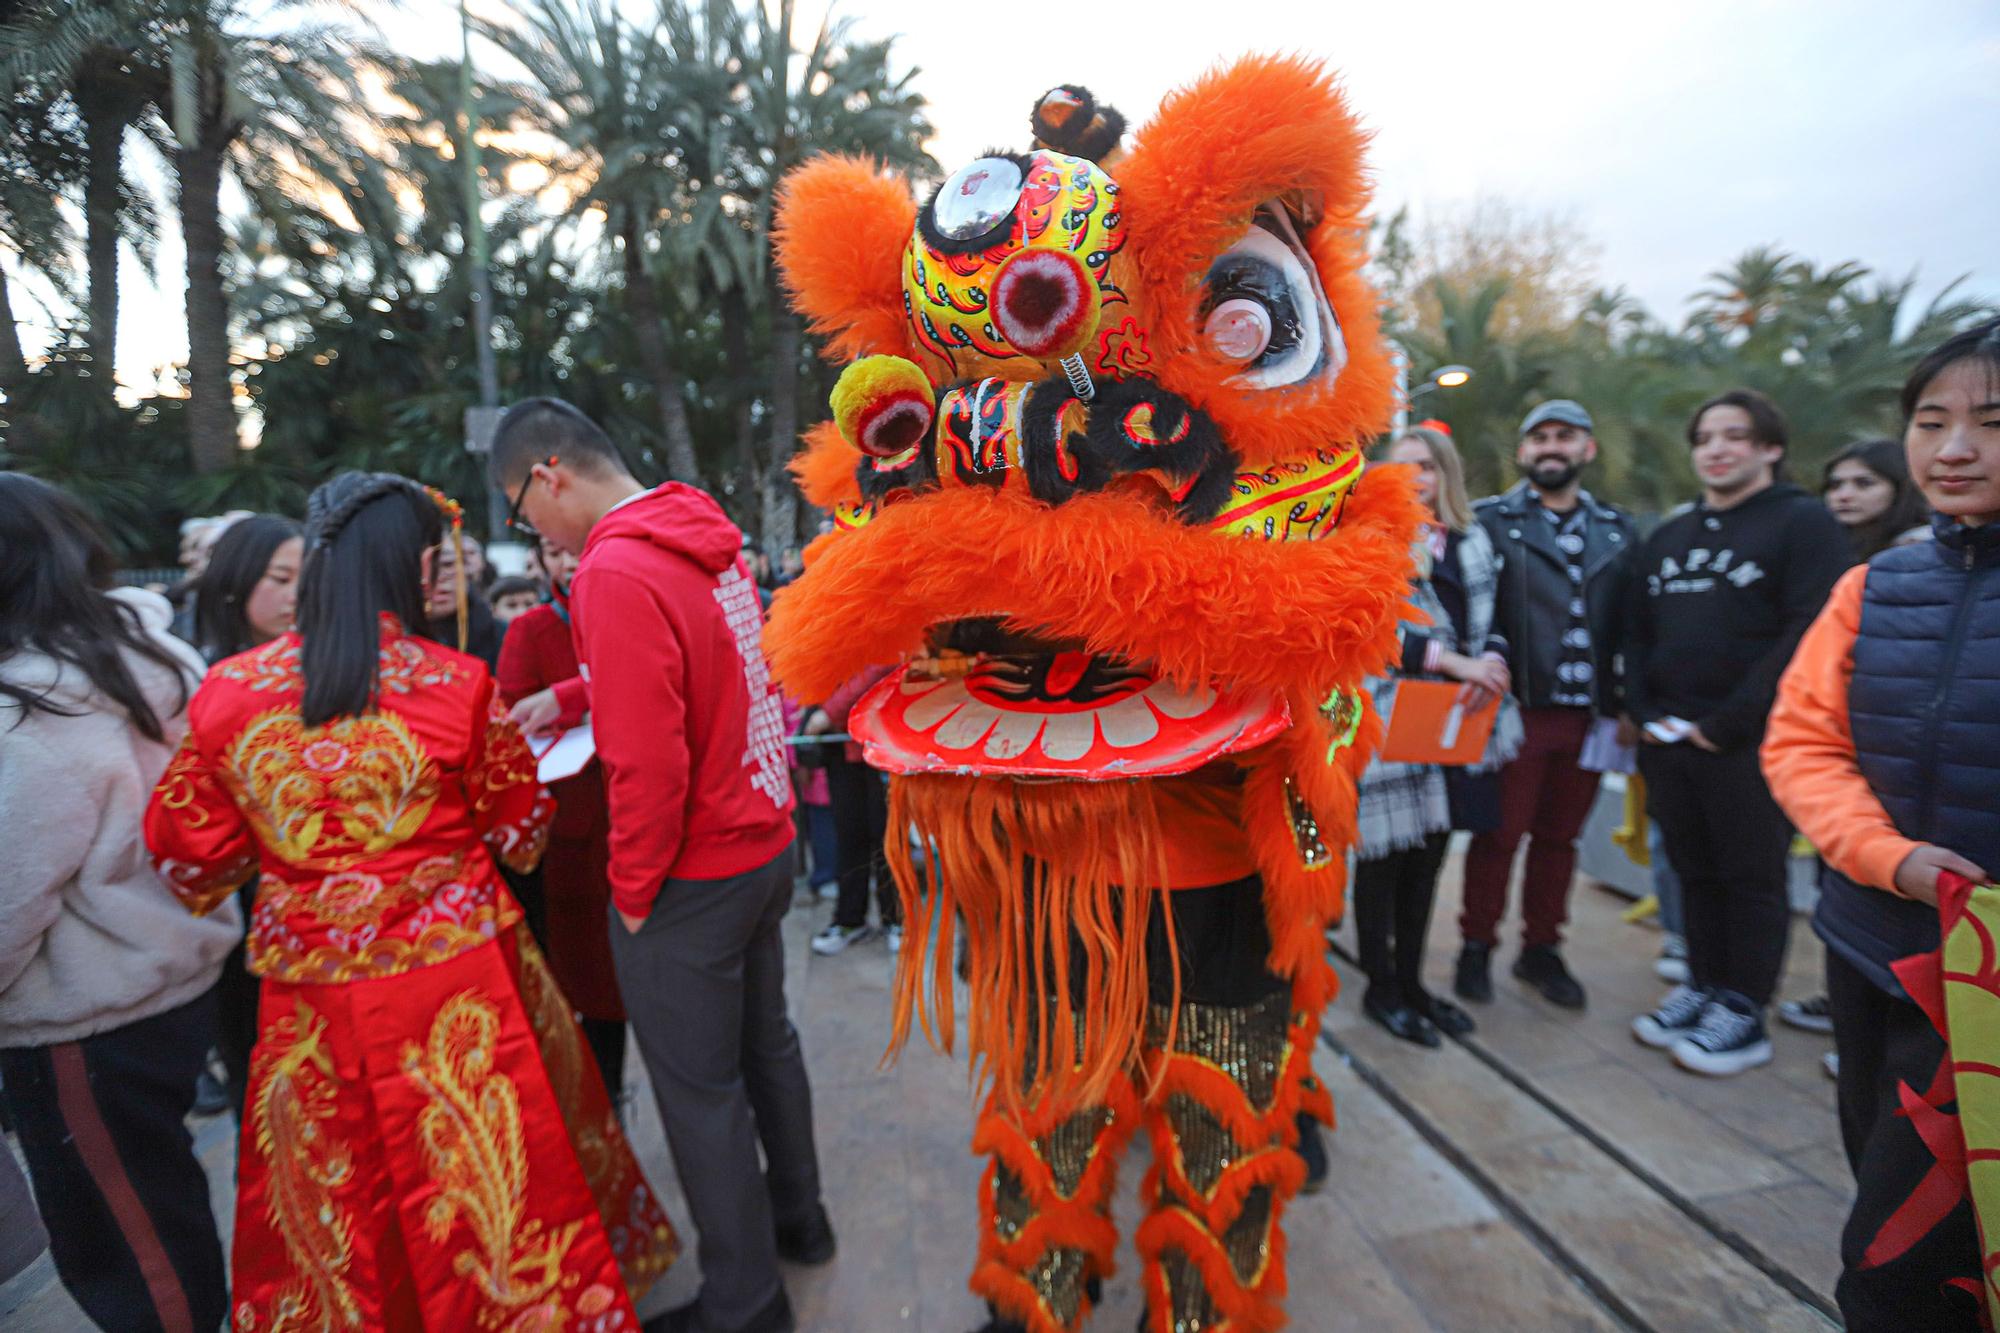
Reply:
x=1725, y=589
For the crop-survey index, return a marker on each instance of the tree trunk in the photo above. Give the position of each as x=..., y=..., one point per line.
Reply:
x=781, y=495
x=667, y=381
x=211, y=411
x=14, y=374
x=106, y=117
x=736, y=350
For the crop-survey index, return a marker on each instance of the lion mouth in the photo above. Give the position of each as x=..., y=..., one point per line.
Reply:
x=992, y=702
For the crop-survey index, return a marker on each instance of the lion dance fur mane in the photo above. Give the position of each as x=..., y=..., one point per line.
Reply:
x=1095, y=469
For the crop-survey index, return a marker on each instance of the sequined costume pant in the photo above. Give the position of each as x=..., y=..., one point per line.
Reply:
x=1219, y=1105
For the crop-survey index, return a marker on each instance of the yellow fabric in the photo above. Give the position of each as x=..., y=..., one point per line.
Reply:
x=1630, y=836
x=1972, y=1013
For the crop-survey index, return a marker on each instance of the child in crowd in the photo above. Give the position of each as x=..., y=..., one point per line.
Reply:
x=512, y=597
x=1883, y=748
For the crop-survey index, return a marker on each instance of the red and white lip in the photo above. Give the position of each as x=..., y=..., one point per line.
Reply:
x=1143, y=727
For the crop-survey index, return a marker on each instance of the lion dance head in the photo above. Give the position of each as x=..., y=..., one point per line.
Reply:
x=1095, y=466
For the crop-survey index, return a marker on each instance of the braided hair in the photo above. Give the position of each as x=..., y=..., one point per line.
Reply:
x=366, y=533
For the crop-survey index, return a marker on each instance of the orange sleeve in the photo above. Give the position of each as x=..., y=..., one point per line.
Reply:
x=201, y=844
x=1809, y=750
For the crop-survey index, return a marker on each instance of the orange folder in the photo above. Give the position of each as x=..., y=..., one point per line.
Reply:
x=1428, y=725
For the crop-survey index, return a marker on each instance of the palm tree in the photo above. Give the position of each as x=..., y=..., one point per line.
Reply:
x=836, y=96
x=103, y=58
x=618, y=99
x=40, y=155
x=280, y=111
x=1747, y=293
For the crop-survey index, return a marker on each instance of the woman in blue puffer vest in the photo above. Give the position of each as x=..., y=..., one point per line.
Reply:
x=1884, y=748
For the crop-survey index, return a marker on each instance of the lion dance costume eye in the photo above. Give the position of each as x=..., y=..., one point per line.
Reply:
x=1095, y=469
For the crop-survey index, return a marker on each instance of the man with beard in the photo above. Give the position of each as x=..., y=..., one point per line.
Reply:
x=1561, y=586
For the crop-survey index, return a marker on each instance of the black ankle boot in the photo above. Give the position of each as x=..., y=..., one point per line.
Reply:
x=1474, y=981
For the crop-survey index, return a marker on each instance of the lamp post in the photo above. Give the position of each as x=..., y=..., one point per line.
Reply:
x=1444, y=377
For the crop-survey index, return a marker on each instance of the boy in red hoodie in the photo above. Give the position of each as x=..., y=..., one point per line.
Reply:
x=691, y=735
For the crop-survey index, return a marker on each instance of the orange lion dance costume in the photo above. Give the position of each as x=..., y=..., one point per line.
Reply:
x=1096, y=473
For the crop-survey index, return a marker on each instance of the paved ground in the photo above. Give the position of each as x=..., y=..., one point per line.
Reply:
x=1549, y=1173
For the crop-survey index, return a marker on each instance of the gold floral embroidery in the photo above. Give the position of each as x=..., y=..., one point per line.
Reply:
x=275, y=666
x=388, y=957
x=294, y=1107
x=178, y=785
x=369, y=773
x=507, y=762
x=472, y=1144
x=404, y=665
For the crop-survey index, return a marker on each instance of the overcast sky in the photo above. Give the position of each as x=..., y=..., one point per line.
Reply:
x=1675, y=136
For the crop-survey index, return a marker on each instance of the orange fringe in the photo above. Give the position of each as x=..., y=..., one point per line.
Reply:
x=1080, y=1221
x=1039, y=876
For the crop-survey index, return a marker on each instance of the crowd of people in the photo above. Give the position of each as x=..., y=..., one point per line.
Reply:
x=284, y=833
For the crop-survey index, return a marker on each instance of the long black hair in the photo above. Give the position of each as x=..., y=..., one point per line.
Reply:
x=55, y=568
x=1885, y=458
x=236, y=566
x=366, y=533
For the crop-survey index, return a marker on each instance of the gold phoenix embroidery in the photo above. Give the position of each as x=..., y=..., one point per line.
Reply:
x=295, y=1100
x=472, y=1144
x=328, y=797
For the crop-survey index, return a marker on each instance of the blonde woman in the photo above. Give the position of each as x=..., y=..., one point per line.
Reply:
x=1408, y=811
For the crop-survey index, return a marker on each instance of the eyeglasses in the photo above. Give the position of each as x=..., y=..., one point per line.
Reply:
x=515, y=521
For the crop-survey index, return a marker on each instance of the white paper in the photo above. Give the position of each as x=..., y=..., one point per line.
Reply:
x=1670, y=730
x=563, y=755
x=1602, y=753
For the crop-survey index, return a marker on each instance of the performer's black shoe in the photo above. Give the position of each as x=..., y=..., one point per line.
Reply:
x=810, y=1242
x=1400, y=1020
x=1312, y=1150
x=1542, y=967
x=1474, y=981
x=1445, y=1016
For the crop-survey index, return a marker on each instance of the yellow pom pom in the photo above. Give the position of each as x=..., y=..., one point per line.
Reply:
x=883, y=405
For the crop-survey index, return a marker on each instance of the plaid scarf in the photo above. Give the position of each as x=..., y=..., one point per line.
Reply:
x=1402, y=804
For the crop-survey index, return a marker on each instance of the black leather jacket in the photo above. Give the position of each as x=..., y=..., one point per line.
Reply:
x=1533, y=604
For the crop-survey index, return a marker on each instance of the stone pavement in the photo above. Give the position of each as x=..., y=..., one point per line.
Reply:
x=1547, y=1174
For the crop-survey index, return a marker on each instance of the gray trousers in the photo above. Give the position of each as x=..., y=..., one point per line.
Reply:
x=704, y=986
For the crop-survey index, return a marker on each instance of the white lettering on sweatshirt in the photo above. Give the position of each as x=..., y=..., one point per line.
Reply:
x=764, y=746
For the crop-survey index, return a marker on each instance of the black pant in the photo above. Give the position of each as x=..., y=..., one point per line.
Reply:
x=237, y=994
x=1393, y=896
x=860, y=824
x=116, y=1180
x=1728, y=840
x=1894, y=1275
x=704, y=983
x=607, y=1046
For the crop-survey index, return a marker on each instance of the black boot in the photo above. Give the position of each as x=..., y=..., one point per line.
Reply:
x=1399, y=1019
x=809, y=1242
x=1542, y=967
x=1475, y=973
x=1312, y=1149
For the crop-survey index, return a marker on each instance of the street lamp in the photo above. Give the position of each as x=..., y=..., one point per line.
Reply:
x=1444, y=377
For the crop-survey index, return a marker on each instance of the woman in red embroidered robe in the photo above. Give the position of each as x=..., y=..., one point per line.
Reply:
x=426, y=1145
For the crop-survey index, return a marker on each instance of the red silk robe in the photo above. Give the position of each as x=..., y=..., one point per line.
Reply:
x=425, y=1143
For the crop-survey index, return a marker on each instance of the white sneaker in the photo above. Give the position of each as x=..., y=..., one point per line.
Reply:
x=827, y=892
x=1672, y=964
x=1674, y=1018
x=1727, y=1041
x=835, y=939
x=894, y=935
x=1814, y=1015
x=1830, y=1062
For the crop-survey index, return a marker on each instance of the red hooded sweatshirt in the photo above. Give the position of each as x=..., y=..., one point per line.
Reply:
x=689, y=727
